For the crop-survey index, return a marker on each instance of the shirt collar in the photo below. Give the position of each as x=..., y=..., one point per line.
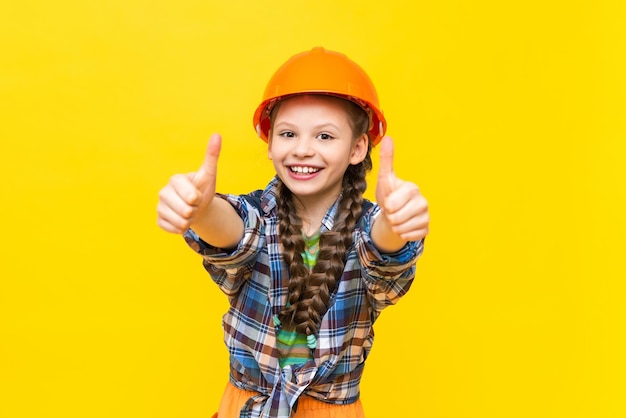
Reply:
x=269, y=197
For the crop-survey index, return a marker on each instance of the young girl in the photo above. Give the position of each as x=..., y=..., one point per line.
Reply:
x=307, y=263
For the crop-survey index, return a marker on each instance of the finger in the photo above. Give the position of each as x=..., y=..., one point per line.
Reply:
x=168, y=227
x=206, y=175
x=414, y=223
x=414, y=229
x=407, y=209
x=404, y=196
x=173, y=204
x=415, y=235
x=177, y=213
x=180, y=187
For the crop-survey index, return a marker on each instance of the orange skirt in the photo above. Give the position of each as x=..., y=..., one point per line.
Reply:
x=234, y=399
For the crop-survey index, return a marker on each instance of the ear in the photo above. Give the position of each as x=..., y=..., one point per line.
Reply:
x=359, y=149
x=269, y=148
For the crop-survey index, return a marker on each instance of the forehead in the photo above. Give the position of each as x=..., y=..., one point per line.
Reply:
x=312, y=104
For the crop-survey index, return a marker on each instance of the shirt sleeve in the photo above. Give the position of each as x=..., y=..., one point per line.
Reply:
x=387, y=276
x=229, y=268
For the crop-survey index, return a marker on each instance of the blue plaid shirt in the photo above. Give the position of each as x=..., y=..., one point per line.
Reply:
x=255, y=279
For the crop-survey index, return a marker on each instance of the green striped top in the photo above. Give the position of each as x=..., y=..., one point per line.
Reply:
x=293, y=347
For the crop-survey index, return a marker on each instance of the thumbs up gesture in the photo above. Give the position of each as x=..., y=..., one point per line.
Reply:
x=188, y=201
x=404, y=214
x=185, y=198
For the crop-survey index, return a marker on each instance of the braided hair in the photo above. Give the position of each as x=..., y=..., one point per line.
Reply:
x=310, y=292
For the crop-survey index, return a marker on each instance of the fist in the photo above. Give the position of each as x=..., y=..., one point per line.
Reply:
x=404, y=208
x=186, y=196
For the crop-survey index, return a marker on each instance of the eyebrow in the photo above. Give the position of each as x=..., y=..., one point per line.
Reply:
x=316, y=127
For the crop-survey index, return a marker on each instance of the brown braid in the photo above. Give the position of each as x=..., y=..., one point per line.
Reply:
x=310, y=292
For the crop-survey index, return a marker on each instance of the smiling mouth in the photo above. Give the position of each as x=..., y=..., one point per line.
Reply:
x=304, y=170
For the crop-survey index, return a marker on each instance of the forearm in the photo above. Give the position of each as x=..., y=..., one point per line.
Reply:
x=219, y=224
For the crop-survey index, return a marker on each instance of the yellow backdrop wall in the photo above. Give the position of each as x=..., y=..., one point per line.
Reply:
x=509, y=115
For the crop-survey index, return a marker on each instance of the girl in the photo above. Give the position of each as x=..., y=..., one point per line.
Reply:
x=307, y=263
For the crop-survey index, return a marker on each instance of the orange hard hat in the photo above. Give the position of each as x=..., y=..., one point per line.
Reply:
x=324, y=72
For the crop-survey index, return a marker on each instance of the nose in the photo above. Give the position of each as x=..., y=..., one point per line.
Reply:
x=303, y=147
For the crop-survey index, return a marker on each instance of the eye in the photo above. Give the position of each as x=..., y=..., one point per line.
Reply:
x=325, y=136
x=287, y=134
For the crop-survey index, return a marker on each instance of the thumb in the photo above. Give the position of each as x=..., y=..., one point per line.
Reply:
x=386, y=158
x=205, y=177
x=386, y=178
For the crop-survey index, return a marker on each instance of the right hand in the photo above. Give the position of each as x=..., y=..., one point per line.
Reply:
x=187, y=196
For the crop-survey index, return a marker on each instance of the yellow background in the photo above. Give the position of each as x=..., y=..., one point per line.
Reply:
x=509, y=115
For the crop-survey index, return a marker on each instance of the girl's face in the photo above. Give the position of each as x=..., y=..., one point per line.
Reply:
x=312, y=145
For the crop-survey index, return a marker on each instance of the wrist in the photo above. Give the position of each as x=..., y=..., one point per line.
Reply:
x=383, y=236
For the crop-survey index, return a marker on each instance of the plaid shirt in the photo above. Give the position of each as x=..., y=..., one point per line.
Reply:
x=255, y=279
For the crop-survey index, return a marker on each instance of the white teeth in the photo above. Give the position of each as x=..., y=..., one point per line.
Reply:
x=304, y=170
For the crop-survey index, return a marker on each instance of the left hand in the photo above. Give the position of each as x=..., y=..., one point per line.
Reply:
x=404, y=209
